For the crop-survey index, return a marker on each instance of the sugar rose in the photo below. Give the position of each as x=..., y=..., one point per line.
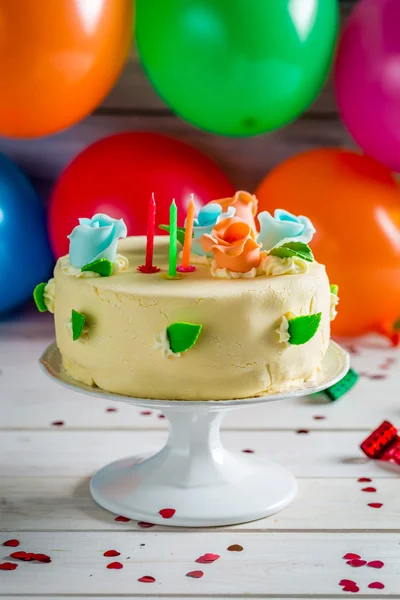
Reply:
x=245, y=205
x=233, y=245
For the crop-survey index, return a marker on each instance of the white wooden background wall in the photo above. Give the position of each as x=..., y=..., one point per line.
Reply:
x=134, y=105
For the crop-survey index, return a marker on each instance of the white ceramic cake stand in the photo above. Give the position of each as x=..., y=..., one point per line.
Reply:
x=194, y=474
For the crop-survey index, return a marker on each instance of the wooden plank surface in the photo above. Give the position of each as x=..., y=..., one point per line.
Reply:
x=80, y=453
x=277, y=564
x=334, y=504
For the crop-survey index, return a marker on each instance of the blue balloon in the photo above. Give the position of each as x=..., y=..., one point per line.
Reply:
x=25, y=255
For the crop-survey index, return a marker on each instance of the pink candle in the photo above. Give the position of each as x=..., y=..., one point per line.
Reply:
x=148, y=267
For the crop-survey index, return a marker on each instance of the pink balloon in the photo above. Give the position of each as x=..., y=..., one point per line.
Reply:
x=367, y=79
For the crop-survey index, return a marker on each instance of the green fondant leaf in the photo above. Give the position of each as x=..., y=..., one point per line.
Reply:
x=182, y=336
x=102, y=266
x=334, y=289
x=343, y=386
x=293, y=249
x=302, y=329
x=180, y=233
x=78, y=322
x=396, y=325
x=38, y=296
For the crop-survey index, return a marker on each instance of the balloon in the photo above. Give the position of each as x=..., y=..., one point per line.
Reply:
x=234, y=67
x=117, y=176
x=58, y=59
x=25, y=256
x=354, y=204
x=367, y=79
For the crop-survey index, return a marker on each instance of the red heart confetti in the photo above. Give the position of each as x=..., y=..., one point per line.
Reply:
x=145, y=525
x=364, y=480
x=146, y=413
x=111, y=409
x=26, y=556
x=115, y=565
x=352, y=350
x=12, y=543
x=7, y=566
x=356, y=562
x=351, y=555
x=121, y=519
x=369, y=489
x=302, y=431
x=195, y=574
x=351, y=588
x=112, y=553
x=235, y=548
x=20, y=555
x=376, y=585
x=167, y=513
x=347, y=582
x=319, y=417
x=375, y=504
x=146, y=579
x=376, y=564
x=161, y=416
x=207, y=558
x=58, y=423
x=43, y=558
x=248, y=451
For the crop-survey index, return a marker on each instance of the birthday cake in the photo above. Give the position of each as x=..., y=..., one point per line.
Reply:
x=232, y=306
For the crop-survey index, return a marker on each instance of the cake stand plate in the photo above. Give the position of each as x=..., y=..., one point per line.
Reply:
x=194, y=481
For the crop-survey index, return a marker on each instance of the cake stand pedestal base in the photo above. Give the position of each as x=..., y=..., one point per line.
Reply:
x=194, y=481
x=194, y=475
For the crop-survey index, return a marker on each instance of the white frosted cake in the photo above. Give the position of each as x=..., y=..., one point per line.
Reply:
x=252, y=318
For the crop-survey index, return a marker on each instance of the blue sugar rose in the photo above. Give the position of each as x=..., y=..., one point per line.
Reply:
x=209, y=215
x=95, y=238
x=282, y=228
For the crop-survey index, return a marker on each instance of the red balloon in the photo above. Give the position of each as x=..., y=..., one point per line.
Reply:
x=117, y=176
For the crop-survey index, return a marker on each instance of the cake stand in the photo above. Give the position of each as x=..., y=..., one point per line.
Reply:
x=194, y=476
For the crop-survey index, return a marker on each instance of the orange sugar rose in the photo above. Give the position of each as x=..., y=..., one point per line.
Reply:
x=245, y=204
x=233, y=245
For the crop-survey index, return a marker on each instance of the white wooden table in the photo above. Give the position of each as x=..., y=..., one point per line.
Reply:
x=52, y=440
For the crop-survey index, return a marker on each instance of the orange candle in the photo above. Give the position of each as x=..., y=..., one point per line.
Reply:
x=188, y=233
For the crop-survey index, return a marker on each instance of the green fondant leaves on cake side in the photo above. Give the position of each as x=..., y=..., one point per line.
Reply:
x=38, y=296
x=180, y=233
x=293, y=249
x=302, y=329
x=334, y=289
x=183, y=336
x=102, y=266
x=77, y=322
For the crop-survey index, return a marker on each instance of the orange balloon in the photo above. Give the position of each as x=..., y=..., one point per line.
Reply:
x=58, y=59
x=354, y=204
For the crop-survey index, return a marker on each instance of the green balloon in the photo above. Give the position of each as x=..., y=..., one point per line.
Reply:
x=237, y=67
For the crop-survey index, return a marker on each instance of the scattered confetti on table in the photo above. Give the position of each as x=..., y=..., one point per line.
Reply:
x=207, y=558
x=12, y=543
x=115, y=565
x=195, y=574
x=167, y=513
